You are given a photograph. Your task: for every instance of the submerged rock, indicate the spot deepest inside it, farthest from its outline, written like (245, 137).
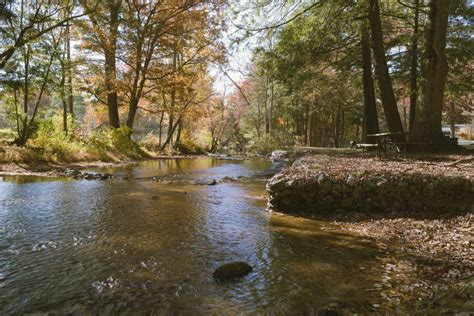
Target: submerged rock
(77, 174)
(332, 309)
(205, 182)
(72, 173)
(232, 270)
(279, 155)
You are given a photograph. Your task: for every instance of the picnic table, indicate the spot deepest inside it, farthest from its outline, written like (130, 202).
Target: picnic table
(387, 141)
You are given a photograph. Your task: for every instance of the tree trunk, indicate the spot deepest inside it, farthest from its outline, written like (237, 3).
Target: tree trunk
(389, 102)
(132, 112)
(70, 97)
(259, 118)
(267, 122)
(306, 125)
(178, 134)
(371, 123)
(169, 135)
(434, 72)
(160, 126)
(63, 95)
(27, 81)
(112, 97)
(169, 138)
(171, 116)
(337, 126)
(452, 122)
(110, 67)
(343, 134)
(414, 67)
(309, 132)
(312, 128)
(28, 124)
(17, 115)
(357, 132)
(270, 112)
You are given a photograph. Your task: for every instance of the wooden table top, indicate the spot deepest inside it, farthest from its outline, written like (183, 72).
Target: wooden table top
(387, 134)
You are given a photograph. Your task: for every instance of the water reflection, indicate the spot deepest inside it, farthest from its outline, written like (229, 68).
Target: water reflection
(202, 168)
(124, 246)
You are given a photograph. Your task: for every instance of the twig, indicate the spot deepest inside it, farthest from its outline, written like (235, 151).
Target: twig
(460, 161)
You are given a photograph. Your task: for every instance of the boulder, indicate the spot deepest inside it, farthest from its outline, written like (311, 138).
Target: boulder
(106, 176)
(279, 155)
(332, 309)
(232, 270)
(73, 173)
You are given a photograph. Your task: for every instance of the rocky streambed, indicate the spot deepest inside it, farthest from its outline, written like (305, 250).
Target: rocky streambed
(319, 184)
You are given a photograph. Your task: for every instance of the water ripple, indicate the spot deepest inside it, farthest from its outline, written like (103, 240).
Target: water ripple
(95, 247)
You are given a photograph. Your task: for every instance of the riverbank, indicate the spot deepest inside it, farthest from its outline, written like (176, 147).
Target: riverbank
(322, 183)
(51, 169)
(54, 170)
(73, 152)
(427, 264)
(419, 213)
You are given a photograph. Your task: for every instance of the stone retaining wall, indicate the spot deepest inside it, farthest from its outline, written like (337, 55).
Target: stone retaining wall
(325, 184)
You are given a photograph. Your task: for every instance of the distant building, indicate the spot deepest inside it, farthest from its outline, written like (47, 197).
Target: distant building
(461, 130)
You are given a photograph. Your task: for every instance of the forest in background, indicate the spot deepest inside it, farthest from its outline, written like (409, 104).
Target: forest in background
(94, 77)
(334, 71)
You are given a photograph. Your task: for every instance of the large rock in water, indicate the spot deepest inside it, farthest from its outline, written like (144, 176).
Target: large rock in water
(232, 270)
(279, 155)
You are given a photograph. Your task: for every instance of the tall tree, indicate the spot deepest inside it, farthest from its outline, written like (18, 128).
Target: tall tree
(102, 32)
(43, 12)
(414, 65)
(389, 102)
(371, 123)
(434, 73)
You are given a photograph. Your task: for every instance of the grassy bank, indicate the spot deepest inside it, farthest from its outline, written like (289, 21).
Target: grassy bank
(50, 145)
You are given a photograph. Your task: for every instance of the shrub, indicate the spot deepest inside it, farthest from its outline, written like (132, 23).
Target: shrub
(50, 140)
(116, 140)
(151, 142)
(271, 142)
(188, 145)
(7, 135)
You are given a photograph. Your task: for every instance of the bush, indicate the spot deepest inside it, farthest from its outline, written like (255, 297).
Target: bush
(49, 143)
(7, 135)
(117, 140)
(49, 139)
(188, 145)
(151, 142)
(269, 143)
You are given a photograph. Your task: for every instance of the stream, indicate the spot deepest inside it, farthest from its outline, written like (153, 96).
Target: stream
(131, 244)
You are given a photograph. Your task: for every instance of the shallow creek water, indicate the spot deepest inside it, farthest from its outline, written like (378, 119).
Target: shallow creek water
(136, 245)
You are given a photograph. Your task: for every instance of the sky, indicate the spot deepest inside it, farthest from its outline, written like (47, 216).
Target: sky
(240, 55)
(274, 12)
(239, 61)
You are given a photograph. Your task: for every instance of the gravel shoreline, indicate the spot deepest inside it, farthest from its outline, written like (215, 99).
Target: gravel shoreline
(53, 170)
